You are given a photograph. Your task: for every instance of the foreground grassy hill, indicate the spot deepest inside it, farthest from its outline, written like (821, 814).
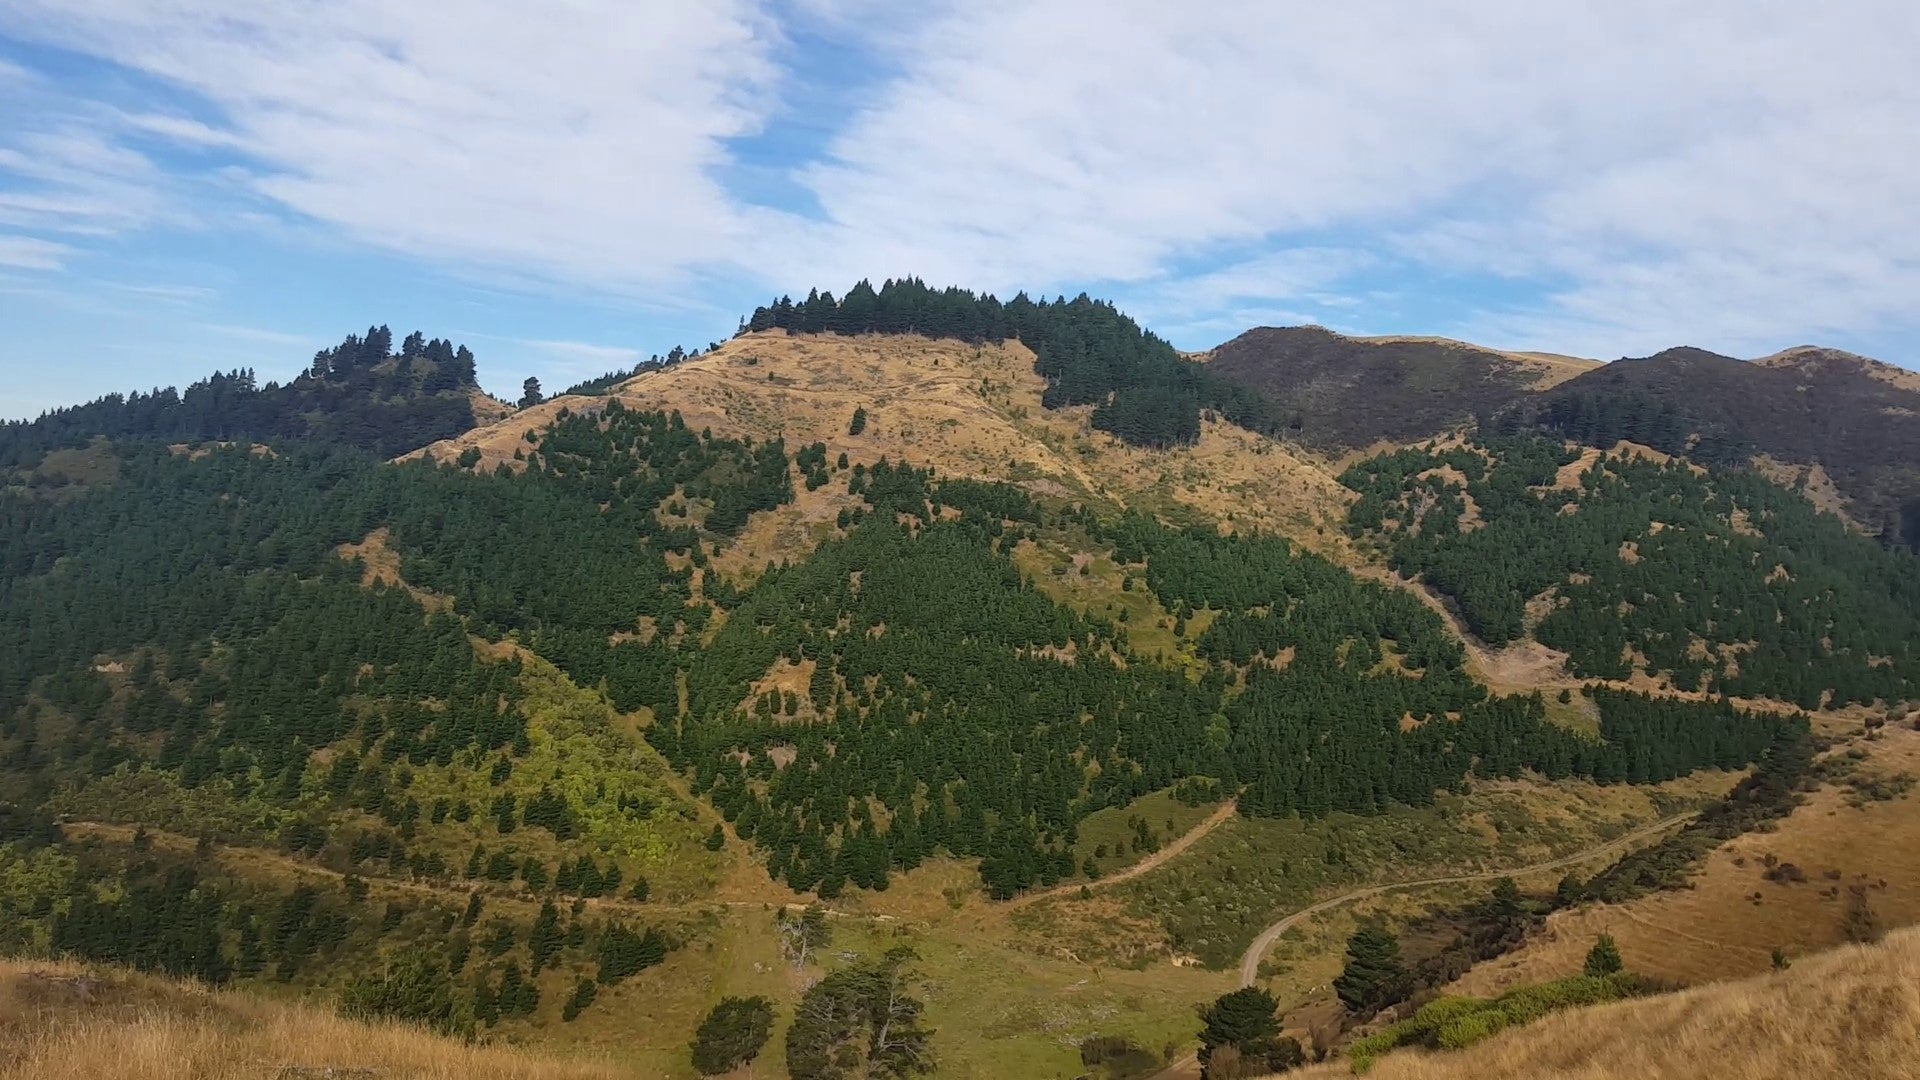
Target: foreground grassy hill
(1838, 867)
(62, 1021)
(1853, 1011)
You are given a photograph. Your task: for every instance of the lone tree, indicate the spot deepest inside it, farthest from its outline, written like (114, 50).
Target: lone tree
(1604, 958)
(802, 933)
(859, 423)
(1373, 977)
(1240, 1036)
(732, 1034)
(862, 1021)
(1505, 905)
(530, 393)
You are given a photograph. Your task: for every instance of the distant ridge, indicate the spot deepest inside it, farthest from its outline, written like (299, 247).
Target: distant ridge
(360, 393)
(1339, 393)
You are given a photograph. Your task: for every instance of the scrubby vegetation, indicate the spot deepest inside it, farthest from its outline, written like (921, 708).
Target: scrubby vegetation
(1455, 1023)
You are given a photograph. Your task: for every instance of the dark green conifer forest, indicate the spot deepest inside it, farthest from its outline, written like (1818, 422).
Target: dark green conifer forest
(1720, 580)
(427, 672)
(360, 393)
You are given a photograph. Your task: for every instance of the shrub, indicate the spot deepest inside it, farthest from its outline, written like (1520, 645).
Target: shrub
(733, 1034)
(584, 992)
(413, 988)
(1604, 957)
(1453, 1023)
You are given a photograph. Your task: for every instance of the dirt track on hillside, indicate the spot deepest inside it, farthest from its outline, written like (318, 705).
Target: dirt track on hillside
(1147, 865)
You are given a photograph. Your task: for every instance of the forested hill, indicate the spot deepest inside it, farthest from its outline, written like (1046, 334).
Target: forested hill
(519, 722)
(1859, 419)
(1339, 393)
(1710, 580)
(1143, 391)
(360, 393)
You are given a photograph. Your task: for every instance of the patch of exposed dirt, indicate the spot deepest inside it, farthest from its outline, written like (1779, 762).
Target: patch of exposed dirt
(381, 565)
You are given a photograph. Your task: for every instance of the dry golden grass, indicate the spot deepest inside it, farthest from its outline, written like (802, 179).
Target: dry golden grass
(65, 1022)
(1715, 929)
(1812, 482)
(1811, 358)
(381, 565)
(965, 410)
(1852, 1012)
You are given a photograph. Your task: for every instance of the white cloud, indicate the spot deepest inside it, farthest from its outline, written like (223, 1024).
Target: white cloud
(73, 180)
(178, 294)
(1721, 172)
(1720, 168)
(575, 140)
(181, 129)
(578, 356)
(258, 334)
(29, 253)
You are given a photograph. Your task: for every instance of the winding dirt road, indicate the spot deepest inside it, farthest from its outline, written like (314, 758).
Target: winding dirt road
(1147, 865)
(1250, 960)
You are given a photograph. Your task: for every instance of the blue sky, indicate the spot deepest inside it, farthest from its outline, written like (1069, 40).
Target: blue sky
(568, 188)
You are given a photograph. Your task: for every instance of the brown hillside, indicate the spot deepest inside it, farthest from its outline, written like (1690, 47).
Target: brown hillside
(1790, 888)
(1340, 393)
(1859, 419)
(963, 409)
(67, 1022)
(1852, 1012)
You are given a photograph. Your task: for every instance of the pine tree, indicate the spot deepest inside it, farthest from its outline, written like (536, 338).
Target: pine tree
(1604, 957)
(1373, 976)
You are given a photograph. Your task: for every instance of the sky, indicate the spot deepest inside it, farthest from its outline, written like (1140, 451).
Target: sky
(569, 187)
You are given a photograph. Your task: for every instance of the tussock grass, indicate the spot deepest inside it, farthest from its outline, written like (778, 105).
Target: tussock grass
(63, 1021)
(1851, 1012)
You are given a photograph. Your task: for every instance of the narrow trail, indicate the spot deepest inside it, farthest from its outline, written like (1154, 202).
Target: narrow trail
(1144, 866)
(269, 861)
(1250, 960)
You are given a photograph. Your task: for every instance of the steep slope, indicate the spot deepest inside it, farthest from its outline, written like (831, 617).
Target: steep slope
(1858, 419)
(1836, 866)
(1853, 1012)
(1339, 393)
(62, 1021)
(1700, 580)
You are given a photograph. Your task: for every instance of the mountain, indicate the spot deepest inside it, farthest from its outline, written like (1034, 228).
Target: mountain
(1857, 419)
(1339, 393)
(359, 394)
(552, 730)
(1842, 428)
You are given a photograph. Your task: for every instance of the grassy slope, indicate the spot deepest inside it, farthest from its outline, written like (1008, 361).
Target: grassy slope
(1854, 1012)
(65, 1022)
(1728, 924)
(964, 410)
